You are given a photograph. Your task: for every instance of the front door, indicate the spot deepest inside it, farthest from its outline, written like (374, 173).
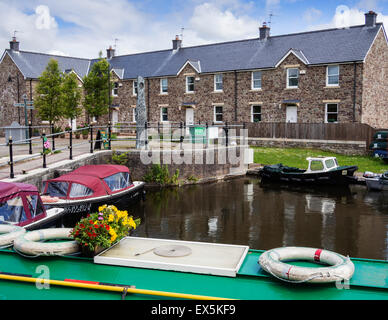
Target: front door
(189, 116)
(291, 114)
(115, 119)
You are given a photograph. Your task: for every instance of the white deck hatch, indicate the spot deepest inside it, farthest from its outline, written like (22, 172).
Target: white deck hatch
(175, 255)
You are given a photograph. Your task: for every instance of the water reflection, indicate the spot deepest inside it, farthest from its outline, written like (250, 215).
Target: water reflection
(242, 211)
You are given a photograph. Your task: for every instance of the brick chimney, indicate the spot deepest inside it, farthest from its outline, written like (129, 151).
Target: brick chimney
(14, 44)
(264, 31)
(370, 19)
(177, 43)
(110, 53)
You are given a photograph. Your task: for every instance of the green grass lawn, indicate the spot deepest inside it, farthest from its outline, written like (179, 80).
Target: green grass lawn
(295, 157)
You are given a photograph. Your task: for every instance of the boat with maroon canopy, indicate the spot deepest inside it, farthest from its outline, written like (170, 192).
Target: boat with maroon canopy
(21, 205)
(89, 186)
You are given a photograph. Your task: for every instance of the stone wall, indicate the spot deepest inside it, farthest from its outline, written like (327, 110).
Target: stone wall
(375, 75)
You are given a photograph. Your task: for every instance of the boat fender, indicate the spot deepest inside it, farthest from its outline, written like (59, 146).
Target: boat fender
(340, 267)
(30, 243)
(8, 233)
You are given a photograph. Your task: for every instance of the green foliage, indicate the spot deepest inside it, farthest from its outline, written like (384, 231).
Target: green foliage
(296, 157)
(71, 97)
(48, 100)
(192, 178)
(160, 175)
(96, 86)
(121, 158)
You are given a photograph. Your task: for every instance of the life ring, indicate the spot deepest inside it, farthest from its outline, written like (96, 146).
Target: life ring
(8, 233)
(340, 267)
(30, 245)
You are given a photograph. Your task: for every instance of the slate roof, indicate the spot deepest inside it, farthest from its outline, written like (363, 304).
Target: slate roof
(315, 47)
(32, 64)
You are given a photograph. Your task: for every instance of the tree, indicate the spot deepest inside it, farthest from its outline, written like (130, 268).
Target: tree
(48, 102)
(96, 87)
(71, 97)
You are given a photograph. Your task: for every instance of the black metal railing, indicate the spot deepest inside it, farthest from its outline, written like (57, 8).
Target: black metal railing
(171, 132)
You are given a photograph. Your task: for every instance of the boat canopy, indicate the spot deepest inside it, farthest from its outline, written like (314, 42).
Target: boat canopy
(20, 203)
(89, 181)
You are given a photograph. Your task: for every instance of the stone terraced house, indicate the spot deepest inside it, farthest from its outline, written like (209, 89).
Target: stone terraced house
(332, 75)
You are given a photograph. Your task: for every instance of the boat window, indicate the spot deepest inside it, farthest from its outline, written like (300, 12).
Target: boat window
(79, 190)
(330, 163)
(35, 205)
(118, 181)
(12, 211)
(57, 189)
(316, 165)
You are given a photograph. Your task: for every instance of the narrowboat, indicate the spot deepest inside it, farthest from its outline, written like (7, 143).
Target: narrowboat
(21, 205)
(89, 186)
(153, 269)
(320, 171)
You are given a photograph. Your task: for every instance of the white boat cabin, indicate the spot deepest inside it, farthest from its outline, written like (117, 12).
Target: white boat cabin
(321, 164)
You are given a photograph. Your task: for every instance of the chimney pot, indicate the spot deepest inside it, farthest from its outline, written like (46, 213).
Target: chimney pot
(177, 43)
(110, 53)
(264, 31)
(370, 18)
(14, 44)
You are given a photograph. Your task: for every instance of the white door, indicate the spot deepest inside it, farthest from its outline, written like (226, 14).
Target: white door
(115, 119)
(189, 116)
(291, 114)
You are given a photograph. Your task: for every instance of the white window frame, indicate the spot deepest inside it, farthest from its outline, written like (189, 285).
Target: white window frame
(253, 113)
(162, 113)
(187, 84)
(162, 87)
(134, 87)
(288, 78)
(217, 81)
(115, 89)
(215, 114)
(327, 75)
(327, 113)
(253, 80)
(134, 115)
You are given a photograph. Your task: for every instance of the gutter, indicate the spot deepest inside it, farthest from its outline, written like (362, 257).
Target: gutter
(354, 91)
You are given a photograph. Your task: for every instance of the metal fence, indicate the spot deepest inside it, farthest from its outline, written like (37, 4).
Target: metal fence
(98, 137)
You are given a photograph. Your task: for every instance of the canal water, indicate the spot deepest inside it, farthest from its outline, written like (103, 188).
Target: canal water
(347, 220)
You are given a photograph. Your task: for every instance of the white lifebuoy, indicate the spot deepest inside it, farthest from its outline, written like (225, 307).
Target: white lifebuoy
(340, 267)
(30, 244)
(8, 233)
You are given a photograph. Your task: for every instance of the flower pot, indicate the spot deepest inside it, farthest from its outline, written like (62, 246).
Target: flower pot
(85, 136)
(91, 253)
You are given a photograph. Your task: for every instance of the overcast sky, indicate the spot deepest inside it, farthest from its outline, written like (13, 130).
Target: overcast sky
(82, 28)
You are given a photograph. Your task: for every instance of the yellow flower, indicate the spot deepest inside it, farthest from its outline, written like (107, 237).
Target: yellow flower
(111, 217)
(101, 208)
(132, 223)
(113, 234)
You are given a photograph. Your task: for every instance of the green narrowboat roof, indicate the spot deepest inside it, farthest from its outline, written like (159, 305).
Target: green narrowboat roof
(370, 281)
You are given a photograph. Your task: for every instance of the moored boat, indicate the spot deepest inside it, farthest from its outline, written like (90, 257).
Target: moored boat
(320, 171)
(21, 205)
(144, 268)
(87, 187)
(377, 182)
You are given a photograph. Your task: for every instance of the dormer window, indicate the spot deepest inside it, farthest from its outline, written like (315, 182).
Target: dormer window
(115, 89)
(332, 75)
(189, 84)
(292, 78)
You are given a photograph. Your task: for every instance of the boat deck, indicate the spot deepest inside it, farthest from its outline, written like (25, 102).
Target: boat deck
(370, 281)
